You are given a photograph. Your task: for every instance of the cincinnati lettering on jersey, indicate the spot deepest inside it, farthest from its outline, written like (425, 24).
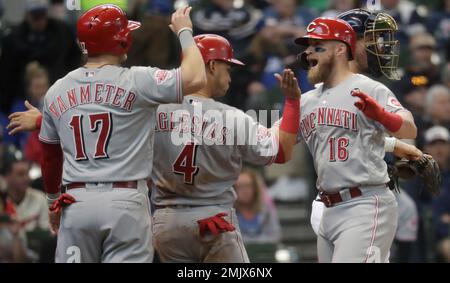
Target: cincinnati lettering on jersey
(196, 125)
(325, 116)
(98, 93)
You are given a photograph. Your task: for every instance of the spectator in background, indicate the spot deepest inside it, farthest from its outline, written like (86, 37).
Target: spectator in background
(339, 6)
(437, 144)
(257, 217)
(37, 38)
(272, 49)
(409, 17)
(437, 109)
(408, 225)
(12, 238)
(238, 25)
(154, 44)
(439, 147)
(420, 74)
(30, 204)
(438, 24)
(36, 85)
(446, 75)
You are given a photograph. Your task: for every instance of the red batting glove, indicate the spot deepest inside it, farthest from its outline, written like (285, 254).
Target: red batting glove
(62, 201)
(215, 224)
(372, 109)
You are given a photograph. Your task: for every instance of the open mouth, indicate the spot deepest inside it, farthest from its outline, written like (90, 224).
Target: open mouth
(312, 62)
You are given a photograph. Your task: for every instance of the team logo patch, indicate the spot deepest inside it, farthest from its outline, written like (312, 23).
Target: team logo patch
(311, 27)
(394, 103)
(162, 75)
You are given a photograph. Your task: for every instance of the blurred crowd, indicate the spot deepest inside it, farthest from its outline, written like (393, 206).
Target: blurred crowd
(38, 46)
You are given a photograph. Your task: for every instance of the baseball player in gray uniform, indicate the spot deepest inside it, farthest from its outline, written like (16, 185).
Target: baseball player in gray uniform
(366, 61)
(102, 116)
(343, 122)
(192, 181)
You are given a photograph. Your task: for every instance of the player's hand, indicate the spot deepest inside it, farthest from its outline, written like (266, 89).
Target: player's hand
(288, 84)
(23, 121)
(181, 19)
(369, 106)
(404, 150)
(54, 217)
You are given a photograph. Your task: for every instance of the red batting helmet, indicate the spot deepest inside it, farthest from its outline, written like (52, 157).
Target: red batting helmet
(215, 47)
(105, 29)
(330, 29)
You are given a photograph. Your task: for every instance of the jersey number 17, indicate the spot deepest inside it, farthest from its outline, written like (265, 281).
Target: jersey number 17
(98, 122)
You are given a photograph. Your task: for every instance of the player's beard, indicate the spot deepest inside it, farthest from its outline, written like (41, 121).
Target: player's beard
(322, 71)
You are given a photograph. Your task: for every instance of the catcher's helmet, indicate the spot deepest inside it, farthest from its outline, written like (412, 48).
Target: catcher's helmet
(105, 29)
(215, 47)
(357, 18)
(376, 28)
(330, 29)
(381, 46)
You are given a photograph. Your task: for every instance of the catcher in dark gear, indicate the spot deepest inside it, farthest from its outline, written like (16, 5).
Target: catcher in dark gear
(376, 51)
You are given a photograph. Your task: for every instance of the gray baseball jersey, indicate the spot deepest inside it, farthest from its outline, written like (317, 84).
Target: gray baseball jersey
(193, 180)
(104, 120)
(347, 146)
(203, 174)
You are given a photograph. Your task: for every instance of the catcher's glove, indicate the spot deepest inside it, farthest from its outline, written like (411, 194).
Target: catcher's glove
(426, 167)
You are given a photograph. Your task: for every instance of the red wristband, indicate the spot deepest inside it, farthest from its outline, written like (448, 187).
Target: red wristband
(391, 121)
(39, 122)
(291, 116)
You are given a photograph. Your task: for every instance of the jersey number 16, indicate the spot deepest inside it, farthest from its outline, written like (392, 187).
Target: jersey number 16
(341, 154)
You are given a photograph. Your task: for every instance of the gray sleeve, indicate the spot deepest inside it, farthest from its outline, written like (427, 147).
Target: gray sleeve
(158, 86)
(387, 99)
(261, 144)
(48, 133)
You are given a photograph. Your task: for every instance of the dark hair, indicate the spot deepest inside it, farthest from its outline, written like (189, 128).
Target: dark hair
(11, 155)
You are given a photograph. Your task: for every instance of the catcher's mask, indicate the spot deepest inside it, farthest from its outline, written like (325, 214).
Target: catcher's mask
(381, 46)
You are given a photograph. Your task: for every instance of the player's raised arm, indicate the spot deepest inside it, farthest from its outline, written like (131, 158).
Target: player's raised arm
(193, 73)
(400, 124)
(287, 134)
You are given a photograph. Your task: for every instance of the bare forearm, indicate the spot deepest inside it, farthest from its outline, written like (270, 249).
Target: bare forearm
(408, 130)
(287, 142)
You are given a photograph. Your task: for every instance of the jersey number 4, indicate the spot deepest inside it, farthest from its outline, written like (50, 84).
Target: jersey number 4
(99, 122)
(342, 152)
(185, 163)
